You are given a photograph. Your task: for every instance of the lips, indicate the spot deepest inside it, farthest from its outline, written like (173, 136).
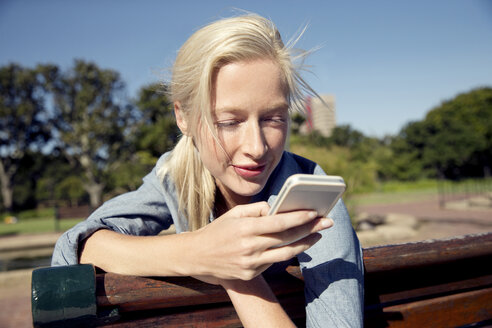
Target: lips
(248, 171)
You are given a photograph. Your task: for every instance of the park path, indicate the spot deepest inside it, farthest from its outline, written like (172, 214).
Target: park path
(435, 222)
(15, 286)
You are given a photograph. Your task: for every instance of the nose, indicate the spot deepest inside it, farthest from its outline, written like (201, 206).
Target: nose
(254, 143)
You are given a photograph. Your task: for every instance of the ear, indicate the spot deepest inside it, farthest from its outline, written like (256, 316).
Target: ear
(180, 118)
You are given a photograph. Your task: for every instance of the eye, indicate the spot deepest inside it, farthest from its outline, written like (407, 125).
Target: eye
(227, 124)
(275, 119)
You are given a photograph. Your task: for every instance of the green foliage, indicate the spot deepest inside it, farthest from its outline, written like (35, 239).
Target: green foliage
(70, 189)
(461, 129)
(94, 121)
(157, 132)
(24, 125)
(405, 162)
(297, 119)
(335, 160)
(128, 175)
(454, 140)
(49, 183)
(346, 136)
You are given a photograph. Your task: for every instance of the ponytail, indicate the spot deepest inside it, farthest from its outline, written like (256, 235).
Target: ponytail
(195, 184)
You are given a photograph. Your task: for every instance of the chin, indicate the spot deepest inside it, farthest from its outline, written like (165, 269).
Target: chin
(250, 189)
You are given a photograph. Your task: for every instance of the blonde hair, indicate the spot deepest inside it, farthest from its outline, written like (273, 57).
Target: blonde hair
(228, 40)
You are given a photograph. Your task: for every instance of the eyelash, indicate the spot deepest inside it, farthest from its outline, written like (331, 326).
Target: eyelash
(276, 119)
(234, 123)
(227, 124)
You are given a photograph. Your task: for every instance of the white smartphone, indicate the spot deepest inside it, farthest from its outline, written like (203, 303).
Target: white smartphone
(309, 192)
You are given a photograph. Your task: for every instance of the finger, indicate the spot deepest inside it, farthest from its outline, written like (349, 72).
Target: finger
(296, 233)
(289, 251)
(283, 222)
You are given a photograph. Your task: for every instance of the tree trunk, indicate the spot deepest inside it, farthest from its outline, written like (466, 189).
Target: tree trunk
(93, 186)
(7, 197)
(7, 188)
(486, 171)
(95, 194)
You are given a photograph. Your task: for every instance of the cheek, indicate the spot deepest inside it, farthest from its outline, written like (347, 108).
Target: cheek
(276, 138)
(211, 153)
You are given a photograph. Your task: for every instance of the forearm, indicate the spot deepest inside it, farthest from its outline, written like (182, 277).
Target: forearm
(168, 255)
(237, 245)
(255, 303)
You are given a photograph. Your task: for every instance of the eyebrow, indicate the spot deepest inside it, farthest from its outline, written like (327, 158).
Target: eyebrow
(275, 106)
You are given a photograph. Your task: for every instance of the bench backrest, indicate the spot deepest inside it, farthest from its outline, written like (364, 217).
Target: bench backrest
(433, 283)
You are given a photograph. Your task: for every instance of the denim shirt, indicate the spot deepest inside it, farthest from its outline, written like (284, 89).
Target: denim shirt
(332, 268)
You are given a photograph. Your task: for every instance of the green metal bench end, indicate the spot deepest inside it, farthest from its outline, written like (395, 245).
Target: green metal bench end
(64, 296)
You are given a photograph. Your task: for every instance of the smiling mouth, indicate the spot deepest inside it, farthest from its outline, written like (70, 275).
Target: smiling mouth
(249, 171)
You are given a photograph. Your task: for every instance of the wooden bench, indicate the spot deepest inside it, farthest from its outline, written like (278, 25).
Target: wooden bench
(71, 212)
(439, 283)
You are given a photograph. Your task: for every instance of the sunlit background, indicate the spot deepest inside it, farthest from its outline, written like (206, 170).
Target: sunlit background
(409, 82)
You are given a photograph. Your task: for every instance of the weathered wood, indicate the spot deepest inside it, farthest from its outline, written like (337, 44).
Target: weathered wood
(402, 282)
(428, 268)
(132, 293)
(171, 302)
(216, 315)
(432, 252)
(447, 311)
(436, 283)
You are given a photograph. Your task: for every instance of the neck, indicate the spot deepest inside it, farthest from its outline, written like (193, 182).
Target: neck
(225, 201)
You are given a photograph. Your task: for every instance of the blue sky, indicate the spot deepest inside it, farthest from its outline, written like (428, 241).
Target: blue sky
(386, 62)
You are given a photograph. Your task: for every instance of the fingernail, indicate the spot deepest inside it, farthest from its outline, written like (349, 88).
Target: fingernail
(326, 223)
(312, 214)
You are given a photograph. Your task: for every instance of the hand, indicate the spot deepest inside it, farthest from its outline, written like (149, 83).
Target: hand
(241, 243)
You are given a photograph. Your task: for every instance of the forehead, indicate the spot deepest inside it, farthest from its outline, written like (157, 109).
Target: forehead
(251, 84)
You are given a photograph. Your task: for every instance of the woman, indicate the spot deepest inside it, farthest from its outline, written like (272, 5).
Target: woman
(232, 87)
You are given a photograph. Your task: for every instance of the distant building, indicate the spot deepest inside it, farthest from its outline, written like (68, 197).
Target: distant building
(320, 115)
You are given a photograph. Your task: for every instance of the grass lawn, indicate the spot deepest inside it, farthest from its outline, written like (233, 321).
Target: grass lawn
(396, 192)
(38, 225)
(391, 197)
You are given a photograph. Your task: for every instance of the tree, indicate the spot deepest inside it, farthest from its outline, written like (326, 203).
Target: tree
(407, 150)
(297, 119)
(24, 123)
(51, 183)
(346, 136)
(94, 121)
(454, 139)
(157, 131)
(461, 135)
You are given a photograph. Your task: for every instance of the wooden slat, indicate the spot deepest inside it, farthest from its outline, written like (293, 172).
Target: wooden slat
(447, 311)
(403, 282)
(219, 315)
(131, 293)
(443, 269)
(411, 255)
(428, 291)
